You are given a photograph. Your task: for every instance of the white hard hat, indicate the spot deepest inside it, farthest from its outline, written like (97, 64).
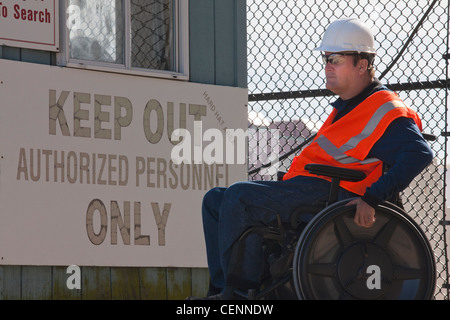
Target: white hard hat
(348, 34)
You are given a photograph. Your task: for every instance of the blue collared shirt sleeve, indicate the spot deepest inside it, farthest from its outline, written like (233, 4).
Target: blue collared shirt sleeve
(406, 152)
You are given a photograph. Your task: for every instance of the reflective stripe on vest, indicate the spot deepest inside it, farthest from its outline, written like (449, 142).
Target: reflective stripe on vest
(339, 155)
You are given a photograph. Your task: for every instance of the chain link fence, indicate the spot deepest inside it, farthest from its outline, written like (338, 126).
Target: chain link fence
(288, 103)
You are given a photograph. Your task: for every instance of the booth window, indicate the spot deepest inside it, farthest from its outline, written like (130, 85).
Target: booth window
(128, 35)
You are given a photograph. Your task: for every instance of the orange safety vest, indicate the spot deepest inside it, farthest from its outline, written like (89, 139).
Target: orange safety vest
(347, 142)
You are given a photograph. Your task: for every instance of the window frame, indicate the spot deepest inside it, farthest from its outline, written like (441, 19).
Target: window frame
(181, 44)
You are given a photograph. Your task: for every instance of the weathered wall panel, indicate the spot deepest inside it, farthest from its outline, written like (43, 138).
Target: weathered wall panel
(102, 283)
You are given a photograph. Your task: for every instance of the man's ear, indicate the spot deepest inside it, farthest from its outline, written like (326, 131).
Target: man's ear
(363, 65)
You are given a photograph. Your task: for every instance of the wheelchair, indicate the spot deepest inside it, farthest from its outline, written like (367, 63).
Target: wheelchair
(331, 258)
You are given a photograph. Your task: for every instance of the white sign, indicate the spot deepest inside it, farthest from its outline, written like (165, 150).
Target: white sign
(91, 174)
(32, 24)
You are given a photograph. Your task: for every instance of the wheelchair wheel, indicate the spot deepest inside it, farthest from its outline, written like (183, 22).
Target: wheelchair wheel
(336, 259)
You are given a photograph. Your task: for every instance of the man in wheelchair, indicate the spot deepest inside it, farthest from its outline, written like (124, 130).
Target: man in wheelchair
(370, 127)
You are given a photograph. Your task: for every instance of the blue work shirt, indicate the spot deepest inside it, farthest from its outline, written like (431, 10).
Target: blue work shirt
(402, 148)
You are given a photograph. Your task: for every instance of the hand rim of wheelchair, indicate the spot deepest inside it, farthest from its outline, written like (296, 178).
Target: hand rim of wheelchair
(333, 254)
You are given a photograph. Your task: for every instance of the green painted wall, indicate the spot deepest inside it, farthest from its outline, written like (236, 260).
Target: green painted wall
(218, 42)
(102, 283)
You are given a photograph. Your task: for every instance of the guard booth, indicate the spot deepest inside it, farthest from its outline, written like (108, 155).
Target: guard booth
(115, 118)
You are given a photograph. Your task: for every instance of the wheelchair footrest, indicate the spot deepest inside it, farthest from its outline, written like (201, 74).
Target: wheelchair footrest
(279, 266)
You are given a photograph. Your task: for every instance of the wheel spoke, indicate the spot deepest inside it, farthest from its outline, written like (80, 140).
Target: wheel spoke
(323, 269)
(343, 234)
(385, 234)
(403, 273)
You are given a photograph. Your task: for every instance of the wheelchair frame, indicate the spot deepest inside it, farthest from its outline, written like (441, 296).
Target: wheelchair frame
(290, 266)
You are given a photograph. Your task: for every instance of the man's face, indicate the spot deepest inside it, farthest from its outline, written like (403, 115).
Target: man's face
(342, 75)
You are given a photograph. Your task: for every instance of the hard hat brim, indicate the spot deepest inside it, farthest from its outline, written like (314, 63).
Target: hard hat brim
(348, 34)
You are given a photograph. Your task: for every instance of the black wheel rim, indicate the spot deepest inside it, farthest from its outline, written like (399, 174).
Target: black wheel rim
(335, 259)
